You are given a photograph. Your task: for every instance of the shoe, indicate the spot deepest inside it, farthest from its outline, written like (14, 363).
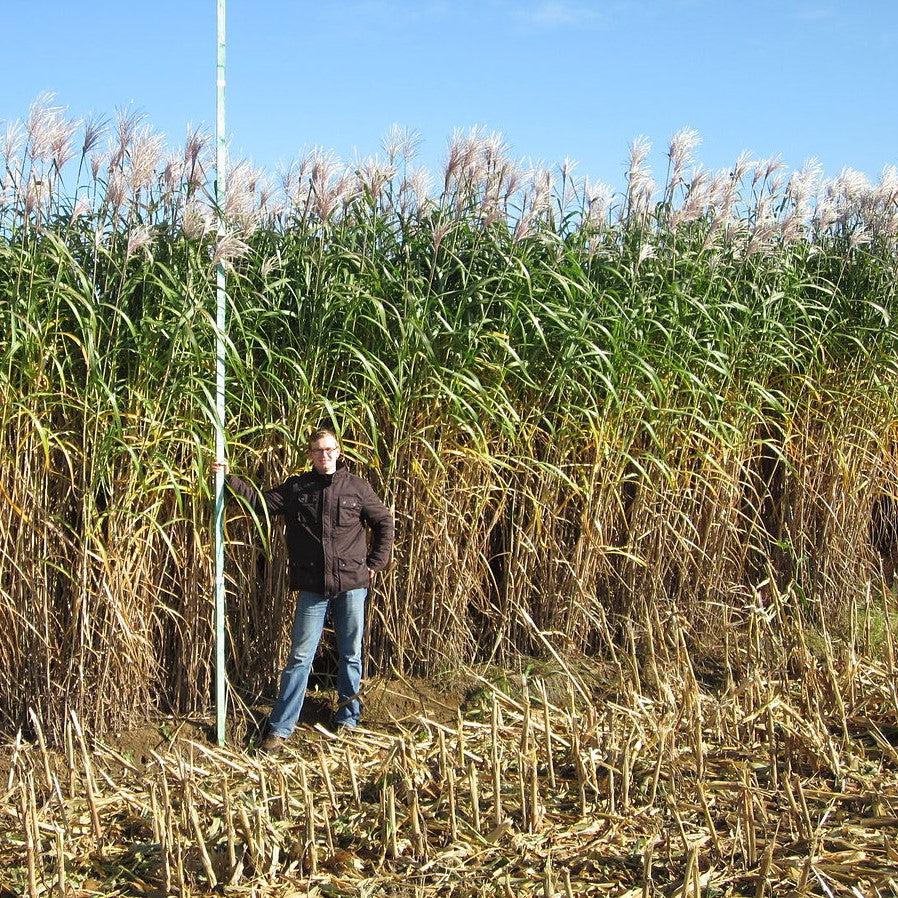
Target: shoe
(272, 744)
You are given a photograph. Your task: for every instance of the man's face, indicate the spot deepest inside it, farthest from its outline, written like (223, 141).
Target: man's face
(324, 454)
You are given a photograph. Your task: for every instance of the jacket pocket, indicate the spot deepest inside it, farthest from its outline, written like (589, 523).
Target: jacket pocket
(349, 511)
(354, 570)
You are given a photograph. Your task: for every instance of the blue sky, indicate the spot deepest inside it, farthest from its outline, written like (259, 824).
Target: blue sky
(559, 78)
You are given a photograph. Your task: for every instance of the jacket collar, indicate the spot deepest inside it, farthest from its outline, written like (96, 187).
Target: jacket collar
(341, 472)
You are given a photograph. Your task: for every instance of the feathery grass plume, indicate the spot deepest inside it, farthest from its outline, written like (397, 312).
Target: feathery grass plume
(268, 266)
(640, 185)
(97, 161)
(729, 193)
(884, 204)
(36, 197)
(640, 147)
(338, 194)
(467, 159)
(126, 124)
(197, 176)
(850, 186)
(439, 232)
(599, 197)
(859, 236)
(765, 169)
(887, 224)
(494, 148)
(825, 214)
(800, 192)
(764, 226)
(567, 168)
(372, 176)
(172, 174)
(242, 206)
(328, 184)
(453, 159)
(767, 182)
(724, 191)
(82, 208)
(842, 203)
(775, 187)
(525, 225)
(724, 197)
(294, 181)
(194, 169)
(140, 239)
(299, 170)
(510, 179)
(699, 196)
(743, 163)
(196, 219)
(680, 156)
(567, 190)
(491, 211)
(197, 141)
(269, 206)
(228, 249)
(646, 251)
(500, 177)
(401, 143)
(47, 128)
(886, 190)
(641, 198)
(13, 141)
(325, 167)
(543, 182)
(416, 188)
(62, 149)
(143, 154)
(94, 129)
(286, 177)
(536, 202)
(116, 190)
(9, 192)
(478, 148)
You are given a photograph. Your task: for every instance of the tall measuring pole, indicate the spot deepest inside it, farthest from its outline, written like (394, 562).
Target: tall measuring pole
(221, 161)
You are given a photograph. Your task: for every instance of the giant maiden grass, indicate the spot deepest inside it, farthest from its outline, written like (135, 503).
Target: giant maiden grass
(591, 410)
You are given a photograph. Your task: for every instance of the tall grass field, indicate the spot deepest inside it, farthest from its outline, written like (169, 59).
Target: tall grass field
(641, 443)
(593, 409)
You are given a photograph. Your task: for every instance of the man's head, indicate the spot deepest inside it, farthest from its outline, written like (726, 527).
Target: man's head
(324, 450)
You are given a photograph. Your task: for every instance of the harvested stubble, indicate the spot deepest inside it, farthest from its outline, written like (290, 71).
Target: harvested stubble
(769, 784)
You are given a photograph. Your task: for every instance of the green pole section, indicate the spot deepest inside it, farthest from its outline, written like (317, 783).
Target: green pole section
(221, 300)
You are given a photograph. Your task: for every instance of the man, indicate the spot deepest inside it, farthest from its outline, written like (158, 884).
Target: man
(326, 511)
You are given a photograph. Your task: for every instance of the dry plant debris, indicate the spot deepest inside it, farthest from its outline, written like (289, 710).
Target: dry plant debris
(753, 789)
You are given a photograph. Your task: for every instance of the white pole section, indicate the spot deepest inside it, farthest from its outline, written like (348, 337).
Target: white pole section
(220, 456)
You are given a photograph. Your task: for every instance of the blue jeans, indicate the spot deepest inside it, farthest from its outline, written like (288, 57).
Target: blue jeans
(348, 610)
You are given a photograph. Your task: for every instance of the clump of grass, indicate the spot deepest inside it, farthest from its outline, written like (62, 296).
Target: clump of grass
(587, 408)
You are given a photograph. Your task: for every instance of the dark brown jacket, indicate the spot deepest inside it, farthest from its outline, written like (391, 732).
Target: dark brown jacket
(325, 517)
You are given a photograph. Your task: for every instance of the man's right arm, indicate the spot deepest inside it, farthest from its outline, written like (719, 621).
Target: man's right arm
(273, 501)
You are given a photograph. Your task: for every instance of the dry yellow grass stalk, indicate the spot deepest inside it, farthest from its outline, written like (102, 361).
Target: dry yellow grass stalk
(386, 811)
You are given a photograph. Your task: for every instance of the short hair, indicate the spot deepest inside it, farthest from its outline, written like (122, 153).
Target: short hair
(320, 434)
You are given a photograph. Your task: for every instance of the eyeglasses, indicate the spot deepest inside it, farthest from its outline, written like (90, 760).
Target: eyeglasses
(333, 450)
